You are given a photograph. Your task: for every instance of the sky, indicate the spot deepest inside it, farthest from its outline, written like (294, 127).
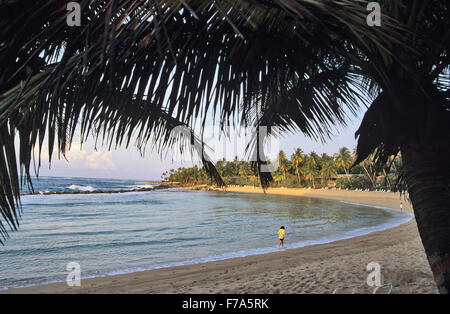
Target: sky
(123, 163)
(89, 161)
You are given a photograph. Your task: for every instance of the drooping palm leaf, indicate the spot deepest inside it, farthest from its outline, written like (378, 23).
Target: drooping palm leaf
(413, 104)
(181, 58)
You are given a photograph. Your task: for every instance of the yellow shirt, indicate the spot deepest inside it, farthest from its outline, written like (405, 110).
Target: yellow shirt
(281, 234)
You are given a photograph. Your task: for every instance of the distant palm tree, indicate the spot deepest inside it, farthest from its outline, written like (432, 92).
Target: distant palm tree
(283, 163)
(329, 170)
(310, 169)
(236, 166)
(245, 170)
(278, 178)
(310, 175)
(296, 160)
(370, 168)
(344, 160)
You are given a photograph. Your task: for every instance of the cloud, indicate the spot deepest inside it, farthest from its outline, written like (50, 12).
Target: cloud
(76, 154)
(77, 158)
(100, 161)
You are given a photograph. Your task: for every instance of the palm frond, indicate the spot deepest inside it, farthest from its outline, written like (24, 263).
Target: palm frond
(131, 61)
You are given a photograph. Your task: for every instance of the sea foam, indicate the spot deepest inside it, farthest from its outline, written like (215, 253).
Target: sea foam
(81, 188)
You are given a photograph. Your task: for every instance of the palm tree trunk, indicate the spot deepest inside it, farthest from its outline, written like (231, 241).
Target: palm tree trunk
(426, 172)
(369, 175)
(347, 174)
(387, 179)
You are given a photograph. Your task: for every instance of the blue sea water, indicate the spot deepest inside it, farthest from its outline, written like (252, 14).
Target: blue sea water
(127, 232)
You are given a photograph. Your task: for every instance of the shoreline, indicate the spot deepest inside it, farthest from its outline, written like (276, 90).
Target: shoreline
(303, 271)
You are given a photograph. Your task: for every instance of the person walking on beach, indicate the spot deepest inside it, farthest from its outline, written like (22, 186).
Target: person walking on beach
(401, 207)
(281, 235)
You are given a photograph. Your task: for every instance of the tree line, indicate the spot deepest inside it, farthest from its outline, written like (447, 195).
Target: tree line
(301, 170)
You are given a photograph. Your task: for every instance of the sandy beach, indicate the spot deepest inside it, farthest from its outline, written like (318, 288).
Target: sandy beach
(314, 269)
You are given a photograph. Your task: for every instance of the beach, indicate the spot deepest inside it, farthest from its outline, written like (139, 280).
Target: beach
(312, 269)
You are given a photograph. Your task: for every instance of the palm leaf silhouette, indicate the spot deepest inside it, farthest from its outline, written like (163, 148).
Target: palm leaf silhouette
(133, 66)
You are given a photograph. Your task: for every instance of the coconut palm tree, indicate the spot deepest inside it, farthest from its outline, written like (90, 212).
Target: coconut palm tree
(411, 115)
(370, 169)
(244, 170)
(278, 178)
(143, 68)
(309, 168)
(236, 166)
(344, 160)
(283, 163)
(296, 161)
(310, 175)
(329, 170)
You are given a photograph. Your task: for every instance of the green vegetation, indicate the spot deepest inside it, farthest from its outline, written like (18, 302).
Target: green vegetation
(301, 171)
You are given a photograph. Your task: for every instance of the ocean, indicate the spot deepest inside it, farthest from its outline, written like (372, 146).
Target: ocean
(118, 233)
